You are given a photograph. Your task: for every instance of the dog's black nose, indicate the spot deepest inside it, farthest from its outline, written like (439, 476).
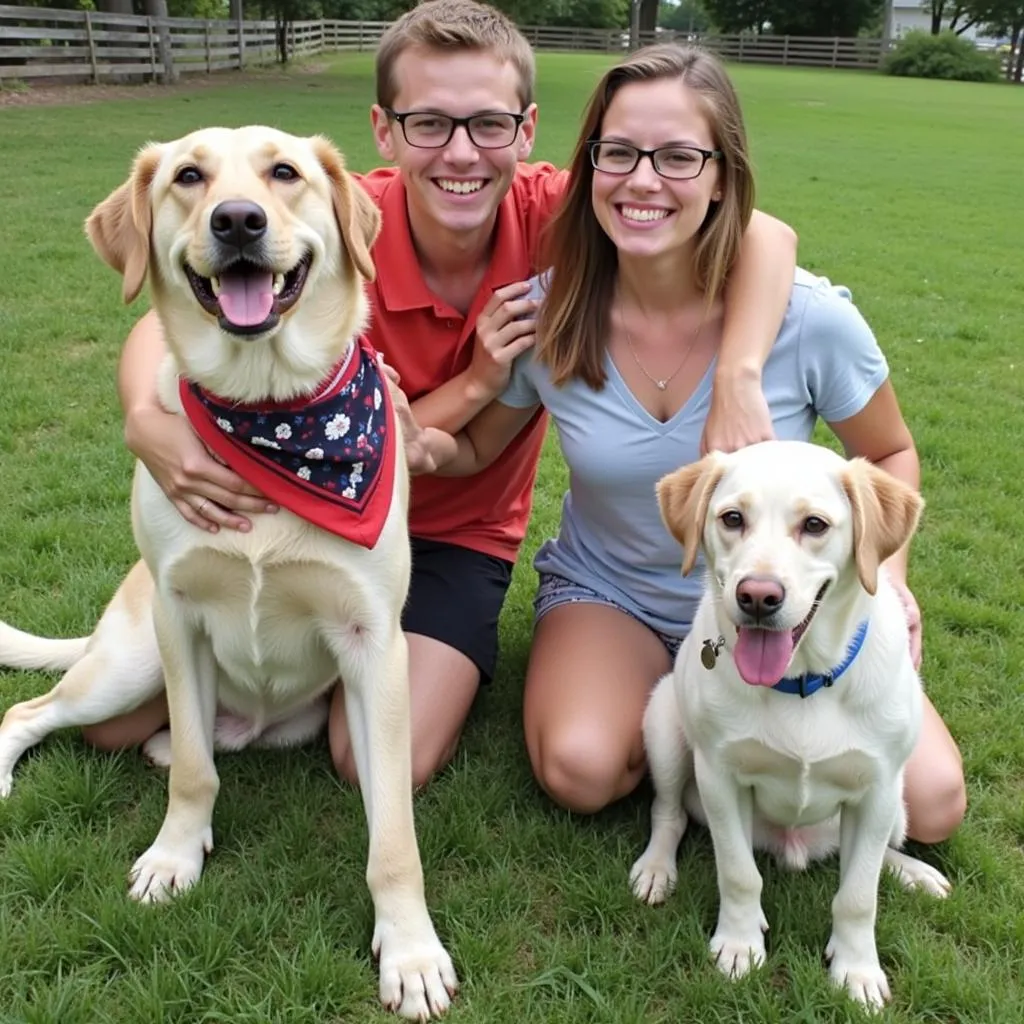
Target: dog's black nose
(238, 222)
(760, 596)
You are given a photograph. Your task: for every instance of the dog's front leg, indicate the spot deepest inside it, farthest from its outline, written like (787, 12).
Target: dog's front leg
(738, 942)
(417, 978)
(864, 830)
(175, 860)
(653, 876)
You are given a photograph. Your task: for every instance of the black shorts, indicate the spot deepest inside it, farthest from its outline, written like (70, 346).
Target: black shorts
(456, 596)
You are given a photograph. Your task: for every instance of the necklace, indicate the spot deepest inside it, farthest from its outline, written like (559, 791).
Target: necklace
(663, 383)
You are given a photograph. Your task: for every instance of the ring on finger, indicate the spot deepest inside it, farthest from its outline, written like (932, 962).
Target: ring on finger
(202, 506)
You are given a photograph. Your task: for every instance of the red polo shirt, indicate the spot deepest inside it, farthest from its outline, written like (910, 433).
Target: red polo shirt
(429, 342)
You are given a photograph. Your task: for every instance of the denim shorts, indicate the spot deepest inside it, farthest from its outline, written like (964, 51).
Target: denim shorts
(554, 591)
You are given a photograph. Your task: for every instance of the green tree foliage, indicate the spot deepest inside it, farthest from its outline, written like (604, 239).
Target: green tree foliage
(687, 16)
(794, 17)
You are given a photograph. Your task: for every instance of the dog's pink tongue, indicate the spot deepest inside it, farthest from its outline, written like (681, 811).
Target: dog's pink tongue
(246, 299)
(762, 655)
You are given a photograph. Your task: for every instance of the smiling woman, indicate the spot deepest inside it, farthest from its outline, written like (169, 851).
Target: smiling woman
(642, 249)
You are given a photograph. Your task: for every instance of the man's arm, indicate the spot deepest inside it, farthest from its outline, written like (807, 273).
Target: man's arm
(483, 439)
(203, 491)
(756, 299)
(504, 329)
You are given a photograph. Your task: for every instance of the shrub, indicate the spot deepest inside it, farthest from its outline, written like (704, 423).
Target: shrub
(947, 55)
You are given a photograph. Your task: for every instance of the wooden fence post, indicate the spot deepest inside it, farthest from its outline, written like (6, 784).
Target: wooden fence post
(92, 48)
(151, 33)
(835, 50)
(740, 57)
(240, 24)
(206, 37)
(785, 50)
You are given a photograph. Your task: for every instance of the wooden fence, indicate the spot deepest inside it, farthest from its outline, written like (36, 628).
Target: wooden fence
(82, 46)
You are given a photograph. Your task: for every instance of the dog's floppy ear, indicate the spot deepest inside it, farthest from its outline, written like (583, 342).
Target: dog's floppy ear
(885, 514)
(120, 227)
(357, 216)
(683, 497)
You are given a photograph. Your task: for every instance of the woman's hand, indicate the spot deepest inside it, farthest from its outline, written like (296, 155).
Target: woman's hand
(205, 492)
(739, 415)
(913, 614)
(426, 448)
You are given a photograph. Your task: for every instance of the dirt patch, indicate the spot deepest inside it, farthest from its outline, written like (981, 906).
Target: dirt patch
(51, 94)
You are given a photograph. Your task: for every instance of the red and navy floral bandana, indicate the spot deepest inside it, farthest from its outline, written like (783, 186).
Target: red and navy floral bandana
(329, 458)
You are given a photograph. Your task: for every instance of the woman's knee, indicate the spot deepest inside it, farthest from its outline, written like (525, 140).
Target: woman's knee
(938, 803)
(582, 771)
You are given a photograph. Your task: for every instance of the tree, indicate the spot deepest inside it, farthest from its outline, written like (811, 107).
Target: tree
(794, 17)
(683, 16)
(739, 15)
(1005, 18)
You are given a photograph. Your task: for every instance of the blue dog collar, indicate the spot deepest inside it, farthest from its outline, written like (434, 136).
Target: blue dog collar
(805, 685)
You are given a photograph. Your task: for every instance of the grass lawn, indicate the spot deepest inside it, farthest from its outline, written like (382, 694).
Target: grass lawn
(907, 191)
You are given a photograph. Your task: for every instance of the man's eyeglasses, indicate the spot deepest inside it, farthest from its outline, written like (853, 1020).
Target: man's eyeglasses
(426, 129)
(675, 162)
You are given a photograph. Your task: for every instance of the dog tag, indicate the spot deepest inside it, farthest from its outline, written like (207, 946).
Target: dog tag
(709, 652)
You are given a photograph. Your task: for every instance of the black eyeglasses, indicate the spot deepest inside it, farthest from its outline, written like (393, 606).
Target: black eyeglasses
(675, 162)
(427, 129)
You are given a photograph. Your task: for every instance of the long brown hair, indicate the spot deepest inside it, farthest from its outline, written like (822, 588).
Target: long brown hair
(575, 319)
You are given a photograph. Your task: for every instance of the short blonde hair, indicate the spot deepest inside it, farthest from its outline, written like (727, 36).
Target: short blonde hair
(575, 319)
(449, 26)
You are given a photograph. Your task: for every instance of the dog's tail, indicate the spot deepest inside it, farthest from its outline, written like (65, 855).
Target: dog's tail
(22, 650)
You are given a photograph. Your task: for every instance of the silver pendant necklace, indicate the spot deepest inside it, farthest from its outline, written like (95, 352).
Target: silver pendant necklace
(662, 383)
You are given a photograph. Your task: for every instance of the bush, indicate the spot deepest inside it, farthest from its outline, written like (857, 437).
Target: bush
(947, 55)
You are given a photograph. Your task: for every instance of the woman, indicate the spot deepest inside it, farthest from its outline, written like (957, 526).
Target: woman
(627, 340)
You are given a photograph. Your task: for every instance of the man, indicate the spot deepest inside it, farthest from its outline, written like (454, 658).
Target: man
(462, 216)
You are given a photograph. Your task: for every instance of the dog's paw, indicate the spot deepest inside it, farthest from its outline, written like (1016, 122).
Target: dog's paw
(157, 749)
(863, 980)
(6, 782)
(165, 871)
(653, 877)
(417, 977)
(916, 874)
(735, 955)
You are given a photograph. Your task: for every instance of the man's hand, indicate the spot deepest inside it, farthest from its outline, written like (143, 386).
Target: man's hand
(206, 493)
(504, 329)
(739, 416)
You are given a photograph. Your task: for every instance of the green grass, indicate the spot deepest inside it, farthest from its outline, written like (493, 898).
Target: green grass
(909, 192)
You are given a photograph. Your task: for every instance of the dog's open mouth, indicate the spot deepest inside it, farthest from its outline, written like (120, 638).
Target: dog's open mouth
(763, 655)
(248, 298)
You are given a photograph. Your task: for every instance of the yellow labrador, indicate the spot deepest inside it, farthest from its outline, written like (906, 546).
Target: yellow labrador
(256, 245)
(793, 705)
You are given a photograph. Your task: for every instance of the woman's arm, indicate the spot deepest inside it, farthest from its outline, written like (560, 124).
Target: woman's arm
(203, 491)
(483, 439)
(879, 434)
(756, 298)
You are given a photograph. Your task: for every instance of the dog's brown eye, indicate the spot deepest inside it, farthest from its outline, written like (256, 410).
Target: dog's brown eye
(731, 519)
(815, 526)
(284, 172)
(188, 175)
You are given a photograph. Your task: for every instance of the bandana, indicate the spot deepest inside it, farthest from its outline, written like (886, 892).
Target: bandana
(329, 457)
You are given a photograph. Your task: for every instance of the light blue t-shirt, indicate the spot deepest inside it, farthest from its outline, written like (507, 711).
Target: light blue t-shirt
(825, 362)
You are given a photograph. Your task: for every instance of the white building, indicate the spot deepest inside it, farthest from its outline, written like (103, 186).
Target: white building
(907, 15)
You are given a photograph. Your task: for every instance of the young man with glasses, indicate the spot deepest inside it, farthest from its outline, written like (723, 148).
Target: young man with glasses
(462, 218)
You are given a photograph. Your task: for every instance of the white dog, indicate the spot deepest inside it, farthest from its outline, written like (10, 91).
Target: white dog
(256, 245)
(793, 705)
